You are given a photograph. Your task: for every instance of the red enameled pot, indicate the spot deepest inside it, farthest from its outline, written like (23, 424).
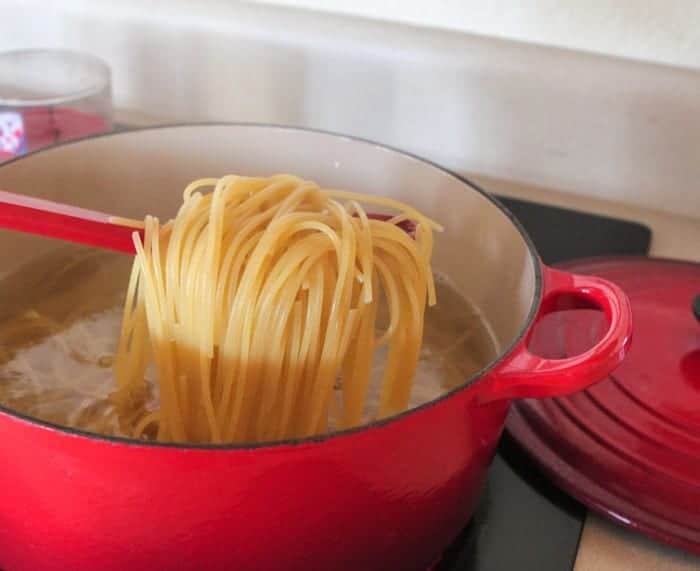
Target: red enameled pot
(390, 495)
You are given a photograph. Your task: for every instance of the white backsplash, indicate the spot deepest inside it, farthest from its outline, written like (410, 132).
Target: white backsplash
(647, 30)
(603, 127)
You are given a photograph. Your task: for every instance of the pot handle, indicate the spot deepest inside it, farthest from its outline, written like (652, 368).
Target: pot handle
(527, 375)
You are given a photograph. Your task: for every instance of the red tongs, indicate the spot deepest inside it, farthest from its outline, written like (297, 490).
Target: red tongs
(73, 224)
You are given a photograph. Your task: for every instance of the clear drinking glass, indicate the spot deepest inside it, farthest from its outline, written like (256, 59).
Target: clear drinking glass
(47, 96)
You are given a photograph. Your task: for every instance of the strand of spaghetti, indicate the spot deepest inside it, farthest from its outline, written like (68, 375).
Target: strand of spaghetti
(150, 418)
(171, 425)
(357, 369)
(386, 202)
(336, 322)
(365, 248)
(128, 222)
(292, 373)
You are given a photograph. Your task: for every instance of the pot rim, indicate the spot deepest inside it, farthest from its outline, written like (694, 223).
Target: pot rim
(321, 438)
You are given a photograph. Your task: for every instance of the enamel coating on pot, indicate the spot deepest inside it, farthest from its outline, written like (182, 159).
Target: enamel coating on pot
(387, 498)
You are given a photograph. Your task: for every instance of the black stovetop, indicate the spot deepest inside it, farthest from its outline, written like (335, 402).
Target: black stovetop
(523, 522)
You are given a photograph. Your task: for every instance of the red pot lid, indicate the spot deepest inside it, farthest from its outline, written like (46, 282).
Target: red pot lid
(628, 447)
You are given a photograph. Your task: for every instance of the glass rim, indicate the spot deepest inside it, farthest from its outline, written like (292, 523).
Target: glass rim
(100, 76)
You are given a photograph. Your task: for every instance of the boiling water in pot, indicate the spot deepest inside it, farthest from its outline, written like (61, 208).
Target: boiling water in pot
(59, 328)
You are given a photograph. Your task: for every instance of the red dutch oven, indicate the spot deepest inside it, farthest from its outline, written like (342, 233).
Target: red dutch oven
(389, 495)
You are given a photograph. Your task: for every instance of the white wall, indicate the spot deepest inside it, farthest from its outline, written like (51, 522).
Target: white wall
(597, 126)
(661, 31)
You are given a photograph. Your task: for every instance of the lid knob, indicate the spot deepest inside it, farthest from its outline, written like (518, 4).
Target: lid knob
(696, 307)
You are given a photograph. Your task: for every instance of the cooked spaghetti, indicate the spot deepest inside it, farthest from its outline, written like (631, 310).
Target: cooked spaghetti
(258, 299)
